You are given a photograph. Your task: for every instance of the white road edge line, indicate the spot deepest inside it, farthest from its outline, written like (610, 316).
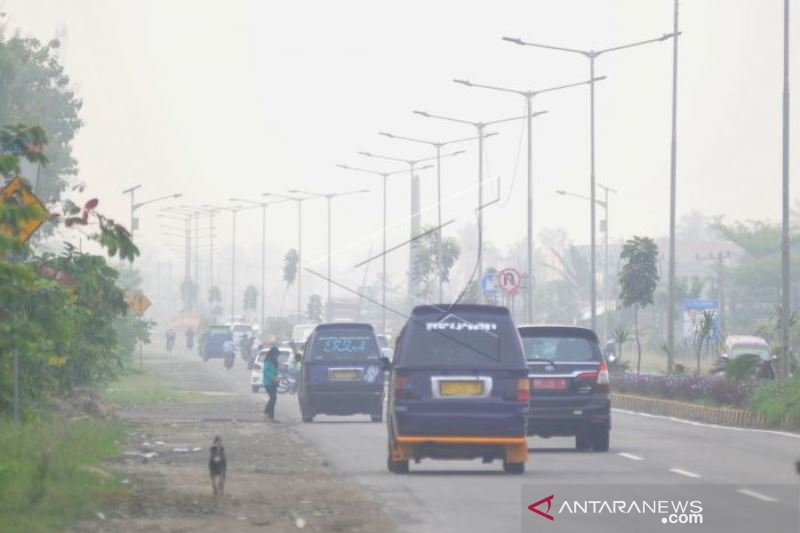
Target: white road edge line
(630, 456)
(685, 473)
(756, 495)
(704, 425)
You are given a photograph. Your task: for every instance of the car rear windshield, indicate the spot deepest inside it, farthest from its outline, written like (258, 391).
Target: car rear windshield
(219, 330)
(744, 349)
(344, 345)
(560, 349)
(460, 342)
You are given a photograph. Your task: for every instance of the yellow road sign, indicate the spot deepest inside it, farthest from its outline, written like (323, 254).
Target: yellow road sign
(139, 303)
(16, 194)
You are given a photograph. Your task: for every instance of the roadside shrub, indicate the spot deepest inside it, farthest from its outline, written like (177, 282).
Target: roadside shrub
(707, 388)
(776, 399)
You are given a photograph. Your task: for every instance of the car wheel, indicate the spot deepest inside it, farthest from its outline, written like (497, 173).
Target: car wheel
(307, 417)
(513, 468)
(583, 440)
(377, 418)
(601, 435)
(395, 467)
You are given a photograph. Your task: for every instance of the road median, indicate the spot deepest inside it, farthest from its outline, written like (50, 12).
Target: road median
(723, 416)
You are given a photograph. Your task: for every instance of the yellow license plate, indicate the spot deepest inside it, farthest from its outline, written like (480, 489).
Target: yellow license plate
(344, 375)
(461, 388)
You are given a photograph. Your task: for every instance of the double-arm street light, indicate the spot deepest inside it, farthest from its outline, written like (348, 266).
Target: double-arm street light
(437, 145)
(481, 129)
(606, 280)
(263, 206)
(234, 209)
(415, 204)
(135, 206)
(329, 197)
(385, 176)
(528, 95)
(299, 201)
(592, 56)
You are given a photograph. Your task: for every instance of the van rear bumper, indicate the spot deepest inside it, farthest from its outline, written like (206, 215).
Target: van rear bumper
(512, 449)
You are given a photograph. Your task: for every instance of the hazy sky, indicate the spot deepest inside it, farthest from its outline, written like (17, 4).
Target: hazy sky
(219, 99)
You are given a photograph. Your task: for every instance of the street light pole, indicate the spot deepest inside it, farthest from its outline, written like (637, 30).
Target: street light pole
(415, 208)
(480, 127)
(299, 202)
(591, 55)
(329, 197)
(528, 95)
(385, 178)
(673, 180)
(437, 145)
(606, 279)
(786, 300)
(263, 206)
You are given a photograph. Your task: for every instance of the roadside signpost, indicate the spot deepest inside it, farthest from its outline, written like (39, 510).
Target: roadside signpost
(139, 303)
(17, 194)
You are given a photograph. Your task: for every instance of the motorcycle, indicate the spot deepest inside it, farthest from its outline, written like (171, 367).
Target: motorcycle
(287, 383)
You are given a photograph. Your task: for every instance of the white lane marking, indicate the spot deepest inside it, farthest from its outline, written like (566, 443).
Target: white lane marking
(756, 495)
(713, 426)
(630, 456)
(683, 472)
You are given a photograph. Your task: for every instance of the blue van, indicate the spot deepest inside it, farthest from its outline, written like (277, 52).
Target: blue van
(342, 372)
(459, 388)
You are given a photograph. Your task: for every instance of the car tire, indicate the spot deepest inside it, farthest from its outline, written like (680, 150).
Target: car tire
(583, 440)
(376, 418)
(601, 436)
(395, 467)
(307, 417)
(513, 468)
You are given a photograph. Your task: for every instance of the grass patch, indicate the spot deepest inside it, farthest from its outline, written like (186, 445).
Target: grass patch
(49, 478)
(145, 388)
(776, 399)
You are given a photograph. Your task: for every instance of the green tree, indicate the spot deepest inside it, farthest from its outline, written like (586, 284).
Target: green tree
(705, 327)
(250, 298)
(290, 267)
(34, 89)
(638, 280)
(426, 263)
(314, 308)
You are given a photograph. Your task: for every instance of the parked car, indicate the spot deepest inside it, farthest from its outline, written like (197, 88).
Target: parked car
(459, 388)
(569, 385)
(257, 374)
(757, 348)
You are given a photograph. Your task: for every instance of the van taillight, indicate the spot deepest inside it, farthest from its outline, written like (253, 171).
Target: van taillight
(400, 385)
(602, 376)
(523, 390)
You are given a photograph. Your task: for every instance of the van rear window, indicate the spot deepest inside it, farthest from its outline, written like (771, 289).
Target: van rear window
(344, 345)
(461, 341)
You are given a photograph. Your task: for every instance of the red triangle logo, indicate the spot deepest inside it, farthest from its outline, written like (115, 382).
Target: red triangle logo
(545, 514)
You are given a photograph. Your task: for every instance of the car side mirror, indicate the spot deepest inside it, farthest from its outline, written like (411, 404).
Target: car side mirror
(386, 365)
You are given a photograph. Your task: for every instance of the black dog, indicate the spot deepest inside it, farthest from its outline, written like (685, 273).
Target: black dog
(217, 466)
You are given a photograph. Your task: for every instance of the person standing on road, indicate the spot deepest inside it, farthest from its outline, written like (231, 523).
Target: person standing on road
(189, 337)
(270, 380)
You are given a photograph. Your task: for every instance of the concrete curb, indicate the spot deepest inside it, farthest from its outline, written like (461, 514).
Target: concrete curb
(723, 416)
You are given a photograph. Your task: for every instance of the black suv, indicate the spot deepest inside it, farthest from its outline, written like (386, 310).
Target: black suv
(569, 385)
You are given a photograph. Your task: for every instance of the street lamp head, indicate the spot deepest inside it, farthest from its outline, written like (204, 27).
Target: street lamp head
(422, 114)
(561, 192)
(463, 82)
(515, 40)
(344, 167)
(365, 153)
(386, 134)
(177, 195)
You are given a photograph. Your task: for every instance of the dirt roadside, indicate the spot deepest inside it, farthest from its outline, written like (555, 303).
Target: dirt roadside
(276, 481)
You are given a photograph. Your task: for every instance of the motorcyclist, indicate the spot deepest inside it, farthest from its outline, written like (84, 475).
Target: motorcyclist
(229, 349)
(245, 347)
(190, 337)
(170, 339)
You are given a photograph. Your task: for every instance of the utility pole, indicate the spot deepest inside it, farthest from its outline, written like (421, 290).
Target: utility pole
(786, 300)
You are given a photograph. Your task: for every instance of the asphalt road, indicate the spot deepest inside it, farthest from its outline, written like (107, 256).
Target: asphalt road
(467, 496)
